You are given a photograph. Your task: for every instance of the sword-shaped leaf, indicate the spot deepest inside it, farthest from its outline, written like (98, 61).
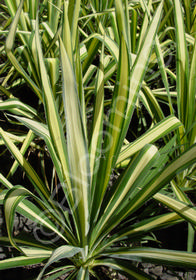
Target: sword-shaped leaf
(114, 125)
(182, 64)
(125, 267)
(157, 132)
(17, 107)
(63, 252)
(139, 67)
(77, 145)
(32, 212)
(22, 261)
(143, 227)
(160, 179)
(123, 22)
(132, 177)
(13, 197)
(152, 255)
(53, 118)
(191, 109)
(66, 33)
(188, 212)
(54, 9)
(97, 126)
(73, 15)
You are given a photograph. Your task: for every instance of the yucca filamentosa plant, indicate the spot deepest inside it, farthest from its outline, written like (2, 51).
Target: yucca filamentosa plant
(83, 229)
(179, 79)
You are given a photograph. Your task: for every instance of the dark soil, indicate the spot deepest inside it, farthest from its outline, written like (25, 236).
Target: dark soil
(157, 272)
(21, 273)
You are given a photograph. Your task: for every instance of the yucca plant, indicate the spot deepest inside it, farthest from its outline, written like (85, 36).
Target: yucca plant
(179, 91)
(84, 230)
(185, 97)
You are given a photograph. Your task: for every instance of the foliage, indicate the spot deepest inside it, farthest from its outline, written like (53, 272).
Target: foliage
(56, 52)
